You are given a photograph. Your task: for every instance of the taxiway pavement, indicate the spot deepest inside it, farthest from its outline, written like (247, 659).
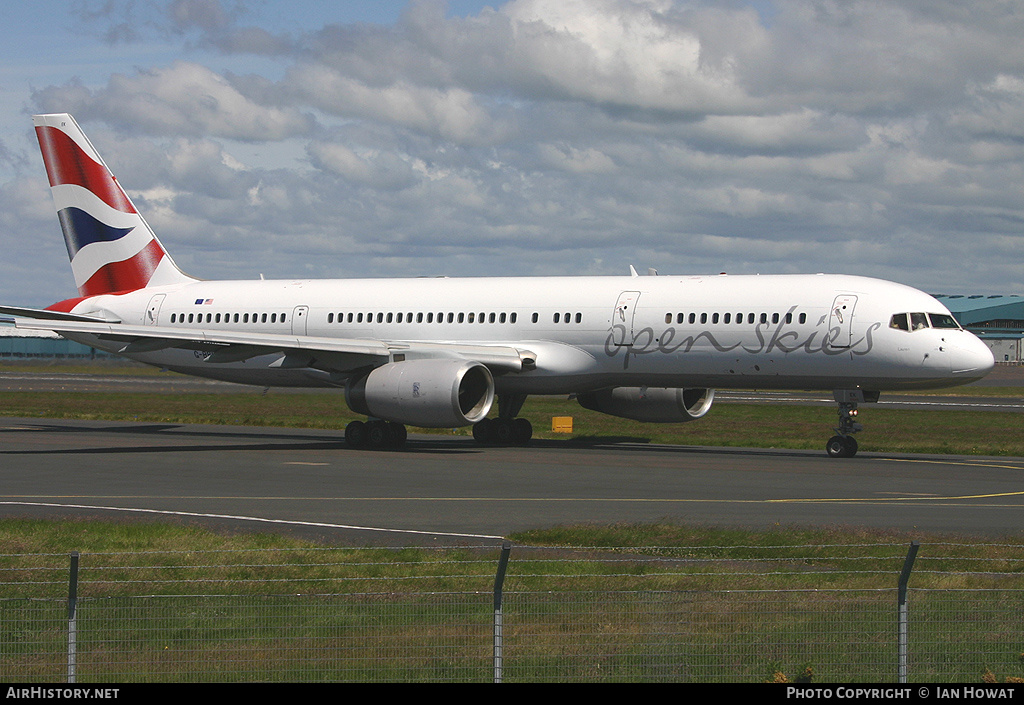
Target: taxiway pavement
(448, 491)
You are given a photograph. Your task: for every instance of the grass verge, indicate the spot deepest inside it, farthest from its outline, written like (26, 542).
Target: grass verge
(728, 424)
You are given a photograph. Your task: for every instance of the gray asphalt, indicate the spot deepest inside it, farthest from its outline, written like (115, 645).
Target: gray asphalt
(450, 491)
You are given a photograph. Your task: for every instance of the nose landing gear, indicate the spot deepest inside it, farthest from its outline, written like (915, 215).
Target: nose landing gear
(843, 444)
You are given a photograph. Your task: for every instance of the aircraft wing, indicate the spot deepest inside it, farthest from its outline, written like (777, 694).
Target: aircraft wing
(339, 355)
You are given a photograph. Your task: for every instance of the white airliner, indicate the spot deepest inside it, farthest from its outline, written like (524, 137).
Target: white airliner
(437, 352)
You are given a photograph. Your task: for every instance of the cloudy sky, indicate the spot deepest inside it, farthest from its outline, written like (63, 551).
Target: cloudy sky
(360, 138)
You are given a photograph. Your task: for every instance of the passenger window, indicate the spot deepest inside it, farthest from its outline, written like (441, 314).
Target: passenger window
(668, 318)
(512, 317)
(579, 318)
(555, 318)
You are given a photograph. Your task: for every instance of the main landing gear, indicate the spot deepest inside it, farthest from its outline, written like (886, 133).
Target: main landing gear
(506, 430)
(843, 444)
(375, 433)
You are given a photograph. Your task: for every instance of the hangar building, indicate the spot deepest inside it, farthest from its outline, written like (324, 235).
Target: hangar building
(998, 320)
(22, 344)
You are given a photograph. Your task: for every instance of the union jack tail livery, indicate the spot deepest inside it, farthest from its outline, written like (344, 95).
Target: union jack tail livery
(111, 246)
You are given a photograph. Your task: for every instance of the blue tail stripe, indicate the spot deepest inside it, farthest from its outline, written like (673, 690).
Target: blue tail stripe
(81, 229)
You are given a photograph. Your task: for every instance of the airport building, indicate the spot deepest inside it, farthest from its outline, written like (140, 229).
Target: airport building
(998, 320)
(29, 344)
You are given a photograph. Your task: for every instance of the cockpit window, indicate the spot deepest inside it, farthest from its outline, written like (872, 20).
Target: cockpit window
(921, 321)
(899, 321)
(943, 320)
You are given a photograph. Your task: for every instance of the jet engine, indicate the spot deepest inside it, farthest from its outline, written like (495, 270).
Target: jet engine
(429, 393)
(654, 404)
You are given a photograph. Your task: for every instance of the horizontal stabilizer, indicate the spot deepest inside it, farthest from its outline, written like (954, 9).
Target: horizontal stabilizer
(9, 313)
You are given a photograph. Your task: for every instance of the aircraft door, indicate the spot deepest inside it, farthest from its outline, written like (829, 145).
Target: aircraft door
(299, 316)
(153, 312)
(622, 318)
(840, 321)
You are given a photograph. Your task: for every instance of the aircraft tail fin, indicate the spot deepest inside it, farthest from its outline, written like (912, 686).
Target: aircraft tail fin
(111, 246)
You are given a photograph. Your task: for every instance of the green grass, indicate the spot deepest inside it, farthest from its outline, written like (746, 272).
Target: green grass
(727, 424)
(604, 604)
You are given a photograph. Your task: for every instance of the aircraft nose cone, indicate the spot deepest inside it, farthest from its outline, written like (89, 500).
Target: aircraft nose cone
(972, 359)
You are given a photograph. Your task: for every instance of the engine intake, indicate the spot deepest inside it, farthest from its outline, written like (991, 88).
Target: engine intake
(653, 404)
(427, 393)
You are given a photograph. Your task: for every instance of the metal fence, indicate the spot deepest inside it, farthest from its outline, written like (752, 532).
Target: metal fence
(817, 614)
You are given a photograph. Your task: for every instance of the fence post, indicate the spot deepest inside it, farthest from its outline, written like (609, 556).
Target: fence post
(901, 637)
(72, 617)
(499, 581)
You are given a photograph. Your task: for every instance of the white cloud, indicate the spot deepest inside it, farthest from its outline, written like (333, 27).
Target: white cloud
(560, 136)
(184, 98)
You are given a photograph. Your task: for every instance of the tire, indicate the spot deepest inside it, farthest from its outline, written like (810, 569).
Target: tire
(483, 432)
(355, 435)
(836, 447)
(841, 447)
(524, 431)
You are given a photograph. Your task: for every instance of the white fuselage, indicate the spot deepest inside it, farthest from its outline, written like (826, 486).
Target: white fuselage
(769, 332)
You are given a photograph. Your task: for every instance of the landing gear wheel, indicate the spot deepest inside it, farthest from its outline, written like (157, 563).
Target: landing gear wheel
(841, 447)
(355, 435)
(524, 431)
(375, 434)
(484, 432)
(503, 432)
(397, 433)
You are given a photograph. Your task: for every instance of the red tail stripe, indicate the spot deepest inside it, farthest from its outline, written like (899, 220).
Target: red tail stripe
(66, 163)
(126, 275)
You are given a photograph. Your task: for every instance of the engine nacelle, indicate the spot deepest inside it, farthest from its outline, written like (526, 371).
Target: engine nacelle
(654, 404)
(428, 393)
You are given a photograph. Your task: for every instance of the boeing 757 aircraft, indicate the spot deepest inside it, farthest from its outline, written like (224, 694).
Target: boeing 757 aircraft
(437, 352)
